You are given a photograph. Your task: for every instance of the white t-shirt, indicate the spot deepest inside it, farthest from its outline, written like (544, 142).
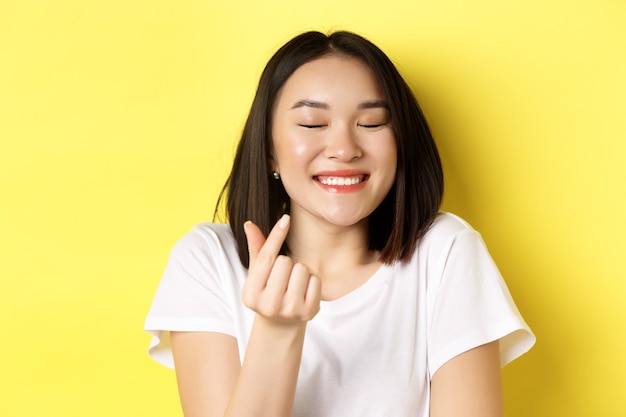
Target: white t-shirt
(371, 352)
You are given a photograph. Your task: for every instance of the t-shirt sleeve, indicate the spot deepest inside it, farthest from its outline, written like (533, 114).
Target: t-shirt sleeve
(190, 296)
(472, 306)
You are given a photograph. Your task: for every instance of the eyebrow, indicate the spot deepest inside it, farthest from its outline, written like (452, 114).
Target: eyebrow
(372, 104)
(310, 103)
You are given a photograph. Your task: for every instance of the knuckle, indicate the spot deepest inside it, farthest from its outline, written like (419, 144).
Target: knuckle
(291, 310)
(271, 307)
(299, 268)
(315, 310)
(264, 259)
(284, 260)
(248, 298)
(310, 313)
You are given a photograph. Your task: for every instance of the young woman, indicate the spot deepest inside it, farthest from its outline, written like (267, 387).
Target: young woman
(337, 288)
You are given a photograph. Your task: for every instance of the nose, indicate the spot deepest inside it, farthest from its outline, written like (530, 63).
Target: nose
(343, 145)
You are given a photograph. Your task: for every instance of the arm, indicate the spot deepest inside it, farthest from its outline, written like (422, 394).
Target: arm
(207, 367)
(285, 296)
(212, 383)
(469, 385)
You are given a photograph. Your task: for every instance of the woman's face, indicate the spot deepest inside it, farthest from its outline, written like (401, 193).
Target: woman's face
(332, 141)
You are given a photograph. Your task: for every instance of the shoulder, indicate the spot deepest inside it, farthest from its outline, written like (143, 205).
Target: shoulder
(208, 233)
(445, 229)
(207, 240)
(450, 222)
(449, 239)
(213, 233)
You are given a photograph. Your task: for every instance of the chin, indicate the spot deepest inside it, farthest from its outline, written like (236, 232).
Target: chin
(345, 220)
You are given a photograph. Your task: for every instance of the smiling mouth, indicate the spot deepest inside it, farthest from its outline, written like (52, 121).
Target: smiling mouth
(341, 181)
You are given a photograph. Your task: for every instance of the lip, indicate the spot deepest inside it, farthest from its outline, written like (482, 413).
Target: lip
(335, 180)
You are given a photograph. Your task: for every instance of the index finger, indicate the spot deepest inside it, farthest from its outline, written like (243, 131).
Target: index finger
(267, 252)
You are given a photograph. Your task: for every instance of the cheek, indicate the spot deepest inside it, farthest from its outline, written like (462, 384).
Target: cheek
(394, 158)
(387, 152)
(389, 159)
(291, 147)
(300, 149)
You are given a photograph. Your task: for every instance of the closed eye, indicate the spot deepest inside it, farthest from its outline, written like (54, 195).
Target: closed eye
(311, 126)
(372, 125)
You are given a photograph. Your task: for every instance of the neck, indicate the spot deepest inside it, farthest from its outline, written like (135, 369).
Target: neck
(327, 249)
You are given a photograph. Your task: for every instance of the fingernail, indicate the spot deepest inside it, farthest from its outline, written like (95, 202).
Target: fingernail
(283, 222)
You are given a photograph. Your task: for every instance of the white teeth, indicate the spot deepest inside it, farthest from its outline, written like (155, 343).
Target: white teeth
(340, 180)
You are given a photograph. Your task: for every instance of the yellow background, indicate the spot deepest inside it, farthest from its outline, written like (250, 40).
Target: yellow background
(117, 128)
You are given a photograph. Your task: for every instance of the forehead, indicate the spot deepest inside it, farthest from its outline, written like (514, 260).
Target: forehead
(331, 78)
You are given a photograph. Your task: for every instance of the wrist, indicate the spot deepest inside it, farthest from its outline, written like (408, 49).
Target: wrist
(280, 327)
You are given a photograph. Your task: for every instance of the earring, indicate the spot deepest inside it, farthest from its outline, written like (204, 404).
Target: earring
(276, 175)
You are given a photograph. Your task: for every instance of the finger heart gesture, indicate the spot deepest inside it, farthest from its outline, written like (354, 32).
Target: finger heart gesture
(278, 289)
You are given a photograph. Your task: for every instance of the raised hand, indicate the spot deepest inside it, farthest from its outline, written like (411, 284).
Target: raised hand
(279, 290)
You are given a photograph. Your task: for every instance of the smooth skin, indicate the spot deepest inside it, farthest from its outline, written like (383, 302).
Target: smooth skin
(346, 131)
(331, 117)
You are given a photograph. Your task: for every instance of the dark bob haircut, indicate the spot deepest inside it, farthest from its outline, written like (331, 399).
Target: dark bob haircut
(406, 213)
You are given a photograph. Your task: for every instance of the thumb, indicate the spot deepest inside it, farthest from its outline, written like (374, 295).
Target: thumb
(255, 239)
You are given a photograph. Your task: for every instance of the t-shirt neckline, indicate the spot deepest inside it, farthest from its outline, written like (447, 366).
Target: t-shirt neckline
(360, 294)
